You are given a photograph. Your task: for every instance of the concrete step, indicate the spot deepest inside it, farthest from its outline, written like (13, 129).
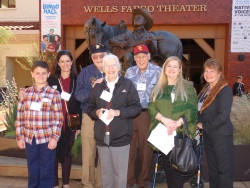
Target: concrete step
(17, 167)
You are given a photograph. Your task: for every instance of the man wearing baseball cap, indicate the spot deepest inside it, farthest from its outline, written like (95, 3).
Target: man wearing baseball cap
(144, 76)
(86, 80)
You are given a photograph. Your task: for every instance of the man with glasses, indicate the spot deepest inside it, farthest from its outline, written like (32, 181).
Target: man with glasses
(86, 80)
(144, 76)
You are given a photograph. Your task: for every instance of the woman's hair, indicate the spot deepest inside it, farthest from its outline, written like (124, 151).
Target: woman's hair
(58, 37)
(180, 92)
(215, 65)
(41, 64)
(109, 56)
(57, 70)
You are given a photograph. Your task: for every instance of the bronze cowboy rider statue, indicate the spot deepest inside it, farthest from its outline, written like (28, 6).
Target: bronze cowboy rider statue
(123, 44)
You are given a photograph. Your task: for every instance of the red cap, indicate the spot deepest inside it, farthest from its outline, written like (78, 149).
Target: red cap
(141, 48)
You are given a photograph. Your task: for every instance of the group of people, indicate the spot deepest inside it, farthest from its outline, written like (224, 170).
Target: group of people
(51, 42)
(118, 114)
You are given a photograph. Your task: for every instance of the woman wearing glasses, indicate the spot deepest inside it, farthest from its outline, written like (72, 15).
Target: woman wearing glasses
(63, 79)
(113, 104)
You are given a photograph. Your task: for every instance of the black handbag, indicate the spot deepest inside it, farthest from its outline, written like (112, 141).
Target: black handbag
(183, 159)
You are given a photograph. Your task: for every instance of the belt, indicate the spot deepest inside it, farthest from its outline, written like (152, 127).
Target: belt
(144, 109)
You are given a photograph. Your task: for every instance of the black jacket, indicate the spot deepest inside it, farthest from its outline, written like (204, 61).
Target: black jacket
(73, 105)
(125, 98)
(216, 114)
(238, 89)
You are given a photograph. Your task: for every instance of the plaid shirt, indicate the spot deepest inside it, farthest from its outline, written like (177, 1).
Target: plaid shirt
(44, 124)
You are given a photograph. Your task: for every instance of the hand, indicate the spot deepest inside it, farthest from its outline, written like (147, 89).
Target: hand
(52, 144)
(199, 125)
(124, 45)
(112, 113)
(178, 123)
(100, 112)
(97, 81)
(149, 41)
(169, 123)
(21, 143)
(77, 133)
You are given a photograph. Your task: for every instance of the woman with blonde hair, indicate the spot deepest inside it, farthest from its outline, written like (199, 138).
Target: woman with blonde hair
(172, 98)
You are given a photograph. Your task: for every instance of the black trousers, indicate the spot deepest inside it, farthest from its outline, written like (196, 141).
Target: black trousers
(66, 166)
(173, 180)
(219, 153)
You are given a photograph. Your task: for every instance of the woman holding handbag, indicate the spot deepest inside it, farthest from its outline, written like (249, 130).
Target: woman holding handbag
(172, 98)
(215, 102)
(64, 80)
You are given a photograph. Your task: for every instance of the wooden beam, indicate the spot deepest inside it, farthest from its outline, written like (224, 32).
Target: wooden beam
(81, 49)
(205, 46)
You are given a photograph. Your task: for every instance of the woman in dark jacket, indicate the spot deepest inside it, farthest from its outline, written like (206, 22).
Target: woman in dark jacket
(214, 105)
(63, 79)
(115, 99)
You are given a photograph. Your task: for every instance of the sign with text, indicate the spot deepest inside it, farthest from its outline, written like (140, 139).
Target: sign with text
(151, 8)
(50, 25)
(240, 34)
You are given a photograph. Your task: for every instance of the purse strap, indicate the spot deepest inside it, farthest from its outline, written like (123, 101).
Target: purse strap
(63, 99)
(186, 125)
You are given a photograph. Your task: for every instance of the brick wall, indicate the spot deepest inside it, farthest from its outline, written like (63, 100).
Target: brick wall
(218, 12)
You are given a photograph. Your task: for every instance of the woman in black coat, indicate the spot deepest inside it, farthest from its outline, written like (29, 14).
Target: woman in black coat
(115, 99)
(214, 106)
(63, 79)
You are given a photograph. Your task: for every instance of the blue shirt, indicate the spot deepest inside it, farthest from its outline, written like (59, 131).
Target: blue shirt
(149, 77)
(84, 84)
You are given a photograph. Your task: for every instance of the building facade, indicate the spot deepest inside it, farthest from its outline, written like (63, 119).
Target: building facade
(21, 17)
(204, 28)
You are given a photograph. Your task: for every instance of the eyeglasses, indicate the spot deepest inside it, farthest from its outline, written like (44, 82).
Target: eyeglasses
(95, 56)
(110, 66)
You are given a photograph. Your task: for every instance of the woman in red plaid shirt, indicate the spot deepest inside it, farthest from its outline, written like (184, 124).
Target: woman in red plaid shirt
(38, 127)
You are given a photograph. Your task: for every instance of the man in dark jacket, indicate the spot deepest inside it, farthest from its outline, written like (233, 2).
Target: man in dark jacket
(88, 77)
(238, 87)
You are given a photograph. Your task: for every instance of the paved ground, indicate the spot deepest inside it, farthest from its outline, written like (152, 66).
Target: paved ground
(8, 146)
(17, 182)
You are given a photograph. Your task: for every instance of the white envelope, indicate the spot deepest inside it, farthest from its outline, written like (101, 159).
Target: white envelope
(104, 118)
(160, 139)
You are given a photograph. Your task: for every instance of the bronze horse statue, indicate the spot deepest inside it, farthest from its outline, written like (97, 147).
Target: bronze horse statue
(98, 32)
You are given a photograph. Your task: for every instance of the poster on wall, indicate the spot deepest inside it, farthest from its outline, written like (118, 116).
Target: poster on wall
(240, 34)
(50, 25)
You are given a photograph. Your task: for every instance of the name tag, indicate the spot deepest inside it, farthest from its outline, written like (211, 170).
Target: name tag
(106, 96)
(172, 97)
(199, 105)
(45, 100)
(55, 86)
(65, 96)
(141, 87)
(36, 106)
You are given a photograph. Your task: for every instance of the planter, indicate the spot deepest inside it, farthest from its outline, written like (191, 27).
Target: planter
(241, 163)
